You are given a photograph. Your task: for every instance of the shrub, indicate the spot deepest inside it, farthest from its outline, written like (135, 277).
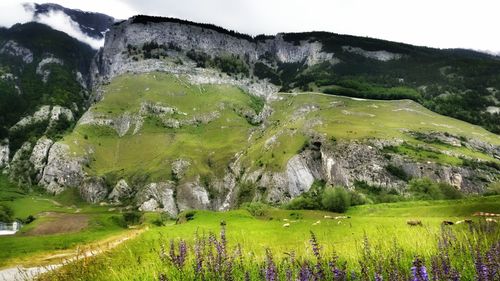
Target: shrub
(161, 219)
(185, 216)
(358, 198)
(302, 203)
(246, 192)
(493, 189)
(450, 192)
(336, 199)
(119, 220)
(231, 65)
(257, 209)
(377, 194)
(6, 213)
(27, 220)
(425, 188)
(397, 172)
(133, 218)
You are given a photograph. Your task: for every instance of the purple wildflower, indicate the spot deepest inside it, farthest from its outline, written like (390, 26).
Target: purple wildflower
(223, 240)
(315, 246)
(318, 273)
(305, 272)
(178, 260)
(493, 258)
(162, 277)
(366, 259)
(339, 273)
(289, 269)
(271, 271)
(199, 257)
(354, 276)
(419, 272)
(481, 267)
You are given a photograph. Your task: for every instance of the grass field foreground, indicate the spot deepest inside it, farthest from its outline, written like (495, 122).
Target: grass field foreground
(254, 245)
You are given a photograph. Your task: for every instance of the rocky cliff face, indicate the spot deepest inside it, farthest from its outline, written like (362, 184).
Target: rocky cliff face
(346, 162)
(178, 39)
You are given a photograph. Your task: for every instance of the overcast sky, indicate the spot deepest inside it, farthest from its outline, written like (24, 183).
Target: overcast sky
(437, 23)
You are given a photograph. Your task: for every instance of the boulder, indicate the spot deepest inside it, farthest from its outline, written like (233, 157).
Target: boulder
(192, 195)
(93, 189)
(39, 156)
(62, 169)
(121, 191)
(179, 168)
(4, 153)
(155, 197)
(20, 168)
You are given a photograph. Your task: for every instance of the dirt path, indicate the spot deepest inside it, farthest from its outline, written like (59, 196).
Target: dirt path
(21, 273)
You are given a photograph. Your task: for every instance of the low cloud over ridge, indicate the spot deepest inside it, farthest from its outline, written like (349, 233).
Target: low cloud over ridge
(58, 20)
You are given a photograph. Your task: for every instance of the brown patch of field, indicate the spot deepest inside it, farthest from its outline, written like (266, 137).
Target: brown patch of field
(55, 223)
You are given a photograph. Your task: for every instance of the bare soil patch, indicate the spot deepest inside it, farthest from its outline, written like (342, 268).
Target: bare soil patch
(60, 223)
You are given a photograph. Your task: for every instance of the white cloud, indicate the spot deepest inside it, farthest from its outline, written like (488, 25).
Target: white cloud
(62, 22)
(12, 12)
(442, 23)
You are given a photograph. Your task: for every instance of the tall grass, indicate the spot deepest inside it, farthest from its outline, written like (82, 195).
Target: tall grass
(468, 253)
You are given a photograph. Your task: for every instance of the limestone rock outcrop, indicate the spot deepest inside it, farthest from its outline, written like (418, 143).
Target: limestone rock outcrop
(4, 153)
(120, 192)
(62, 170)
(93, 189)
(158, 197)
(39, 155)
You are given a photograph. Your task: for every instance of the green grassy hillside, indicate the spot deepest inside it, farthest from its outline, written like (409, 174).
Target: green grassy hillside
(337, 118)
(211, 146)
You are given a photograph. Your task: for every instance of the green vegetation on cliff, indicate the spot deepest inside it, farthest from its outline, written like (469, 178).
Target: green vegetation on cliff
(210, 126)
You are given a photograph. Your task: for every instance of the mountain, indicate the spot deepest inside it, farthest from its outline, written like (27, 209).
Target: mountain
(92, 24)
(459, 83)
(186, 115)
(40, 67)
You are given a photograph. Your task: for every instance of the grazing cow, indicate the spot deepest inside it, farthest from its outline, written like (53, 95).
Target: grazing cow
(341, 217)
(285, 219)
(414, 223)
(464, 221)
(491, 220)
(483, 214)
(286, 225)
(447, 223)
(327, 217)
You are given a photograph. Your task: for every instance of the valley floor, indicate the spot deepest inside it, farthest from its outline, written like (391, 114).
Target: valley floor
(383, 225)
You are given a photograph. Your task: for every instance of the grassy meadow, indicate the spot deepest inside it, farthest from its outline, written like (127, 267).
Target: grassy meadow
(59, 228)
(384, 226)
